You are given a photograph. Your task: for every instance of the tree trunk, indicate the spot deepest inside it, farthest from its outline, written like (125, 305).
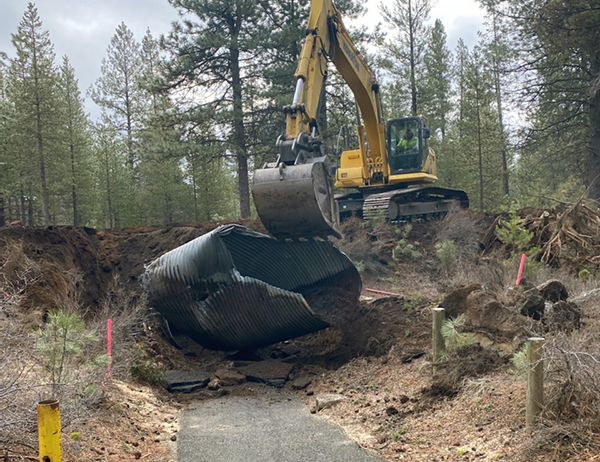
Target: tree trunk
(73, 188)
(22, 201)
(461, 98)
(194, 188)
(168, 209)
(594, 114)
(2, 210)
(109, 193)
(498, 86)
(413, 80)
(128, 115)
(30, 209)
(45, 194)
(479, 151)
(238, 125)
(40, 140)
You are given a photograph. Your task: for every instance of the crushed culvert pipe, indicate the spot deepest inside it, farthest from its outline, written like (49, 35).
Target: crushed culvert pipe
(235, 289)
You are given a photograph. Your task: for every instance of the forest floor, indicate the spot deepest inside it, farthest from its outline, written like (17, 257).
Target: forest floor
(472, 407)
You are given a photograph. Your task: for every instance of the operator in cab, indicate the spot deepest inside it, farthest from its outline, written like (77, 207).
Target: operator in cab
(408, 141)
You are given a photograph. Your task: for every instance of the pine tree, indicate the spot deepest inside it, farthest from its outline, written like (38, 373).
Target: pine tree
(114, 182)
(561, 62)
(436, 81)
(462, 58)
(501, 55)
(451, 157)
(407, 46)
(217, 53)
(279, 51)
(161, 187)
(4, 134)
(75, 138)
(32, 88)
(118, 92)
(214, 196)
(479, 142)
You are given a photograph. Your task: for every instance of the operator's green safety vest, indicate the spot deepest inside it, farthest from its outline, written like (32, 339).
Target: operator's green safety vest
(405, 144)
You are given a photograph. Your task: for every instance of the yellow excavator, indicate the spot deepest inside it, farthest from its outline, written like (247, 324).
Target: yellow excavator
(392, 169)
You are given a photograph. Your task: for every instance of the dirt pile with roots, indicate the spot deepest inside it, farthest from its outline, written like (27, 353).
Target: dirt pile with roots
(85, 261)
(566, 236)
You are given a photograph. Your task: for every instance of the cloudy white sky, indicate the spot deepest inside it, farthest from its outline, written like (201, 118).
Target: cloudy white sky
(82, 29)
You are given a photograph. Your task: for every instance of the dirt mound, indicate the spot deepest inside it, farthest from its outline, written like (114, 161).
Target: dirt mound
(386, 326)
(52, 265)
(66, 263)
(391, 323)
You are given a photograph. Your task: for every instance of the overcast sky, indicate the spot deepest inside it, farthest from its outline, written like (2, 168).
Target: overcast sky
(82, 29)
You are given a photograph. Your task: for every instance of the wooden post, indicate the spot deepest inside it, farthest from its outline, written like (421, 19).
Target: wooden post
(535, 381)
(49, 431)
(439, 347)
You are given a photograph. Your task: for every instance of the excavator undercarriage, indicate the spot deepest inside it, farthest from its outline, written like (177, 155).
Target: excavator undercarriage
(398, 205)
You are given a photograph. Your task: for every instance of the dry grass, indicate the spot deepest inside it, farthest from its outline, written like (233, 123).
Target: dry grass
(17, 270)
(573, 377)
(126, 308)
(571, 416)
(368, 244)
(17, 390)
(460, 227)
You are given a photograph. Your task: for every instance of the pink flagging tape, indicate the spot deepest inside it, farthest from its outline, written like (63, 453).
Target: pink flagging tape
(383, 292)
(521, 269)
(109, 328)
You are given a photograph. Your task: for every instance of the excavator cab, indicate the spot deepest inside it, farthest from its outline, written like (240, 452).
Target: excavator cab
(407, 145)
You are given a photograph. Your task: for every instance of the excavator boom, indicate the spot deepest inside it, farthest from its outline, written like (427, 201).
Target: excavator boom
(294, 195)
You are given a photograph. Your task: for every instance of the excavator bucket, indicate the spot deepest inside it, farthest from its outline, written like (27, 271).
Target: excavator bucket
(296, 201)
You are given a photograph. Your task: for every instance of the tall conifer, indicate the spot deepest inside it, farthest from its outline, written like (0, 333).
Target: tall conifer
(32, 89)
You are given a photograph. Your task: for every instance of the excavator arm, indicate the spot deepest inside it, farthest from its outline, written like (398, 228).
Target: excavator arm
(294, 194)
(327, 39)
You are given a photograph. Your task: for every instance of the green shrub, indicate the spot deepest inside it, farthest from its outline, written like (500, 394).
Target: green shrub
(145, 370)
(584, 274)
(532, 267)
(514, 233)
(453, 337)
(519, 362)
(403, 247)
(448, 255)
(62, 347)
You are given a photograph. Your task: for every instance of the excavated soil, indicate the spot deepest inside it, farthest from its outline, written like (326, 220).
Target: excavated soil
(377, 355)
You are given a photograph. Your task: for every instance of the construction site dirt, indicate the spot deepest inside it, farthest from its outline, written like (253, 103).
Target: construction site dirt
(376, 356)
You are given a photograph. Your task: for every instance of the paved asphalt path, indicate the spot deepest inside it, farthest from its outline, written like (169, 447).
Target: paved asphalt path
(266, 427)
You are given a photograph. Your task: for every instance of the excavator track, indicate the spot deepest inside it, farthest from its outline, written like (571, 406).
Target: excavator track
(412, 204)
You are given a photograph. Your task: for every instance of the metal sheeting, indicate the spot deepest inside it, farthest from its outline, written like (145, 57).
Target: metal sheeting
(235, 288)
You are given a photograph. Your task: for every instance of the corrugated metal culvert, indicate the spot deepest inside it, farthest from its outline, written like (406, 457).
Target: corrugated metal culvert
(234, 288)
